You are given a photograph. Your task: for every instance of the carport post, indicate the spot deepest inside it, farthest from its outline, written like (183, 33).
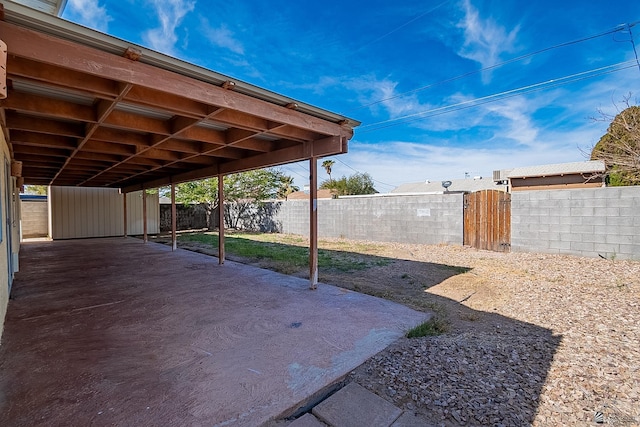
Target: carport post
(221, 219)
(313, 223)
(144, 216)
(124, 203)
(174, 242)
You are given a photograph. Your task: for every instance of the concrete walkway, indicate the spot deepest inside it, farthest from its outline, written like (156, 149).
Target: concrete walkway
(118, 332)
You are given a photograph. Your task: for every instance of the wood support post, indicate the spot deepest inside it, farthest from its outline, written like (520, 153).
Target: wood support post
(313, 223)
(221, 254)
(174, 241)
(144, 216)
(124, 213)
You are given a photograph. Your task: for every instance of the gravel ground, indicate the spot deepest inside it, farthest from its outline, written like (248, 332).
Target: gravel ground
(542, 340)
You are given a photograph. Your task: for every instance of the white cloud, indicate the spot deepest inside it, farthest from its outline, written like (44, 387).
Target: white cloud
(514, 115)
(485, 40)
(377, 93)
(400, 162)
(88, 13)
(170, 13)
(221, 37)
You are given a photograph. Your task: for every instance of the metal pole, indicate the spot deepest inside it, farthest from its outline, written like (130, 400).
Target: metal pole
(124, 203)
(144, 216)
(221, 254)
(174, 241)
(313, 223)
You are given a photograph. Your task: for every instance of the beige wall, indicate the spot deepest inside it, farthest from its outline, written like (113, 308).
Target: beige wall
(77, 212)
(9, 231)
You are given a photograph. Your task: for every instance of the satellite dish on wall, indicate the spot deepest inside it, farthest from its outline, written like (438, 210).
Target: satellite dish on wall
(446, 184)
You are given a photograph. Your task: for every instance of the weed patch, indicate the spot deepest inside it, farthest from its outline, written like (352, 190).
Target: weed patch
(432, 327)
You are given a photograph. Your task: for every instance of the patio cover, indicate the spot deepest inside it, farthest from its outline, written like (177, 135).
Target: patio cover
(87, 109)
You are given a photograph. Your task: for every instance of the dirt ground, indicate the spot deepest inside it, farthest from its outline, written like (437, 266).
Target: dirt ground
(533, 339)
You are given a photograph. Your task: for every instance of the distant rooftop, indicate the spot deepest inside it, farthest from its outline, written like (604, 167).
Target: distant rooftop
(301, 195)
(457, 185)
(591, 166)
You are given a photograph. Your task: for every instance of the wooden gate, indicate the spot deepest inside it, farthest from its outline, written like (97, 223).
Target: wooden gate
(487, 220)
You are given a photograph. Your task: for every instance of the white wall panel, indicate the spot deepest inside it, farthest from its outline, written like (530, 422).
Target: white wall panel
(78, 212)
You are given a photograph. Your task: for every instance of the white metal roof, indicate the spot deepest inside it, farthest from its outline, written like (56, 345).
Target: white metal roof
(591, 166)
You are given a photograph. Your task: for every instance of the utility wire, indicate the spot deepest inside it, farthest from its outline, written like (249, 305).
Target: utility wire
(618, 28)
(633, 44)
(499, 96)
(401, 26)
(357, 171)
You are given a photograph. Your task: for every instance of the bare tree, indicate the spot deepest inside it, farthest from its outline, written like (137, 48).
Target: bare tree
(620, 146)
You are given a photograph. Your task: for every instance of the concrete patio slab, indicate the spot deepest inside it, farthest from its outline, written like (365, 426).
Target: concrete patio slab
(118, 332)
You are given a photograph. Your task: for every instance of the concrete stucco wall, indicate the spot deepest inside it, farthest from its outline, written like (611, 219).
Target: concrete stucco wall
(427, 219)
(586, 222)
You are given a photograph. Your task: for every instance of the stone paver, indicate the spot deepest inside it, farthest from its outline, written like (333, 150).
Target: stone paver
(410, 419)
(307, 420)
(355, 406)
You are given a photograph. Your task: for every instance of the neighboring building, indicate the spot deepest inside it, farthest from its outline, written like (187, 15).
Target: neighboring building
(587, 174)
(457, 186)
(301, 195)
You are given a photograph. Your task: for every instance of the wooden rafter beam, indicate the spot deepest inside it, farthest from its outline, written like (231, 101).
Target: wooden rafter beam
(42, 106)
(29, 44)
(21, 68)
(21, 137)
(320, 148)
(122, 137)
(109, 120)
(24, 122)
(103, 109)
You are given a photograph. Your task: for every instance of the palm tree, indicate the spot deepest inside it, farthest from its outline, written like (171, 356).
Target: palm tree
(287, 187)
(327, 164)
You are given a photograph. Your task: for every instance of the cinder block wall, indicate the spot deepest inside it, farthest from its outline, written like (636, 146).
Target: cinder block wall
(35, 218)
(427, 219)
(587, 222)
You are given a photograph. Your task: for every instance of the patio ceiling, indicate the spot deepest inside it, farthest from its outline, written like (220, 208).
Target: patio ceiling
(86, 109)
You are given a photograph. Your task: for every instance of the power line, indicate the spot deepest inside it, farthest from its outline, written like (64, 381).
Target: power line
(618, 28)
(401, 26)
(297, 173)
(633, 44)
(357, 171)
(499, 96)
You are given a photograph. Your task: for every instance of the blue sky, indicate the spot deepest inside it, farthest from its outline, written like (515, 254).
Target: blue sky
(412, 72)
